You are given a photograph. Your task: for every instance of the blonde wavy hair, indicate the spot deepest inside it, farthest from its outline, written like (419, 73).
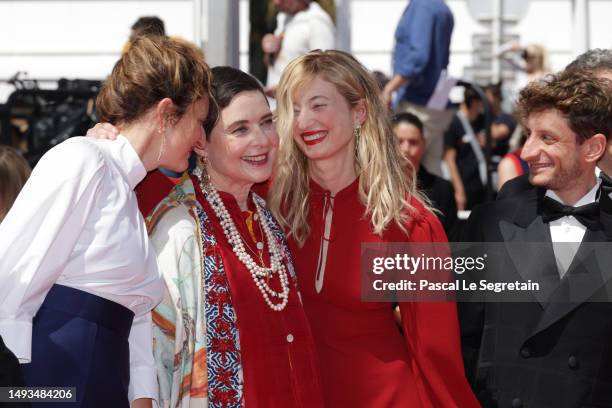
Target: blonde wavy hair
(385, 186)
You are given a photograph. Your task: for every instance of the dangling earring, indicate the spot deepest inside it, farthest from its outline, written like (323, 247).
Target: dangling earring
(201, 172)
(162, 132)
(356, 136)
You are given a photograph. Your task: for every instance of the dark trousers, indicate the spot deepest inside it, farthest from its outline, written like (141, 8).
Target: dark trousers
(81, 340)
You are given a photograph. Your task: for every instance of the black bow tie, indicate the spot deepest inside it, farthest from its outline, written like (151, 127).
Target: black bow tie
(587, 215)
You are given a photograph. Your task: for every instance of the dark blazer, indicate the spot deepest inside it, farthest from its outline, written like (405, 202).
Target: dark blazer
(548, 352)
(442, 196)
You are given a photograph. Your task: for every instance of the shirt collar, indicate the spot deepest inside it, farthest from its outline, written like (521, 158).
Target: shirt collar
(588, 198)
(130, 162)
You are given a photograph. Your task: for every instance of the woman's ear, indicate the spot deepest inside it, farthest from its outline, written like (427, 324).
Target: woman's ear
(201, 148)
(360, 112)
(165, 113)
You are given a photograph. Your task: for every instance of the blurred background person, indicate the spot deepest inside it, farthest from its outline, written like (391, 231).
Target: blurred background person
(408, 129)
(420, 59)
(463, 152)
(302, 25)
(504, 125)
(14, 172)
(147, 26)
(381, 79)
(512, 165)
(599, 63)
(531, 63)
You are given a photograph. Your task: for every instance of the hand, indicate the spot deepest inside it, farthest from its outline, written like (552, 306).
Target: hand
(386, 97)
(461, 200)
(103, 131)
(396, 82)
(142, 403)
(270, 44)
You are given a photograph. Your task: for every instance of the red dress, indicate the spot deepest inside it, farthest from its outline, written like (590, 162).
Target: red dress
(278, 356)
(363, 358)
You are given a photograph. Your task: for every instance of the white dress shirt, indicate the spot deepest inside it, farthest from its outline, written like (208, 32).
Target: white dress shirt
(309, 29)
(76, 223)
(568, 232)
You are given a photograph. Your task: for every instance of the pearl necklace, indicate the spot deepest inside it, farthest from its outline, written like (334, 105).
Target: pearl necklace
(260, 274)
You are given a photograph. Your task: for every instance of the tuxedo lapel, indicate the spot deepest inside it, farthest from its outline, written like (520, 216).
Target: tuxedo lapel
(590, 270)
(528, 244)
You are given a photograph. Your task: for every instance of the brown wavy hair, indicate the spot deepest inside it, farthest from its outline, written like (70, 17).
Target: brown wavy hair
(584, 99)
(14, 172)
(152, 69)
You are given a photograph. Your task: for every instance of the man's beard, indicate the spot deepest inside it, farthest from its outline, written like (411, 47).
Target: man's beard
(565, 177)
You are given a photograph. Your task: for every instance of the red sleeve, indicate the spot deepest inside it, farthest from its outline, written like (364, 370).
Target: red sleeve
(431, 330)
(150, 191)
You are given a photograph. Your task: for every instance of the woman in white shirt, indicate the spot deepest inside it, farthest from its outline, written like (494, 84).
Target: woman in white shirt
(78, 277)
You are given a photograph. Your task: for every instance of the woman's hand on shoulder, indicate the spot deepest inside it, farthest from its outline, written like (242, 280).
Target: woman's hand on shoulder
(142, 403)
(103, 131)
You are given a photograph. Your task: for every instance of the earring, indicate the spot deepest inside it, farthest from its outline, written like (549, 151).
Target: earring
(356, 136)
(201, 172)
(163, 144)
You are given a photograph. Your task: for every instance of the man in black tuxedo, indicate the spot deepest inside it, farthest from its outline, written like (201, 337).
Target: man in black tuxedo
(555, 351)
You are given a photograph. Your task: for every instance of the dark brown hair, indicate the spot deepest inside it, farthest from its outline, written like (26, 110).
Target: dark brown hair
(14, 172)
(153, 68)
(148, 25)
(582, 98)
(227, 82)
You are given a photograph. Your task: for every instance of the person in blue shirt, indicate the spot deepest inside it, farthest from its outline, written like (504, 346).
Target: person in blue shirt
(420, 56)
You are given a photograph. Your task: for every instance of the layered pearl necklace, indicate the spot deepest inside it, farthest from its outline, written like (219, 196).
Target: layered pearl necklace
(260, 274)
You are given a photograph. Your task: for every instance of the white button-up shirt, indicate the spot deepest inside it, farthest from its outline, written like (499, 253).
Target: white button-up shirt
(76, 223)
(568, 232)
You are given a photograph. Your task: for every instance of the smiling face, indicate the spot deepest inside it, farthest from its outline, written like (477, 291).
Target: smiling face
(556, 160)
(243, 143)
(186, 134)
(323, 123)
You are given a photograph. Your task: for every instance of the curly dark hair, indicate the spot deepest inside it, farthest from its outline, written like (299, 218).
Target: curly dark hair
(583, 98)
